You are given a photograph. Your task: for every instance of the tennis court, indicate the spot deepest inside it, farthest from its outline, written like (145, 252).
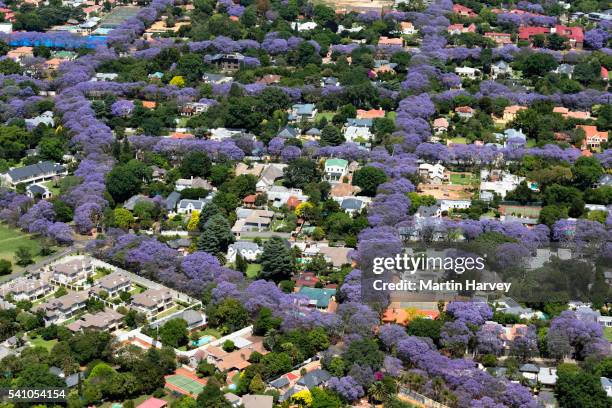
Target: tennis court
(185, 384)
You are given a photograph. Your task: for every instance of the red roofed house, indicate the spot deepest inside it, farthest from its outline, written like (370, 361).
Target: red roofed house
(574, 34)
(153, 403)
(593, 137)
(456, 29)
(386, 41)
(526, 33)
(604, 74)
(464, 112)
(500, 38)
(9, 15)
(463, 11)
(370, 114)
(293, 202)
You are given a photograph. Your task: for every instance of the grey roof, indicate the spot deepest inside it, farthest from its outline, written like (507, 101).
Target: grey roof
(197, 204)
(45, 118)
(37, 189)
(135, 199)
(359, 122)
(605, 382)
(605, 180)
(288, 394)
(257, 401)
(192, 317)
(172, 200)
(314, 378)
(313, 132)
(45, 167)
(244, 245)
(73, 379)
(351, 204)
(279, 382)
(428, 211)
(529, 368)
(56, 371)
(288, 132)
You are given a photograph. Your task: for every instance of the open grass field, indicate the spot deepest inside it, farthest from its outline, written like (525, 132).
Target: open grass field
(11, 239)
(461, 179)
(40, 342)
(458, 140)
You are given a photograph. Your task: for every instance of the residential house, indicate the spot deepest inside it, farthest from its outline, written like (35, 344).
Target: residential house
(20, 53)
(249, 219)
(302, 111)
(500, 68)
(269, 79)
(547, 376)
(72, 272)
(574, 34)
(335, 170)
(384, 41)
(152, 301)
(193, 182)
(188, 206)
(464, 112)
(135, 199)
(238, 359)
(45, 118)
(358, 134)
(280, 195)
(308, 279)
(605, 180)
(288, 132)
(359, 122)
(407, 28)
(63, 308)
(456, 29)
(319, 298)
(28, 289)
(500, 39)
(104, 77)
(253, 169)
(440, 125)
(468, 72)
(114, 283)
(593, 137)
(315, 378)
(499, 182)
(107, 320)
(565, 69)
(529, 371)
(511, 306)
(38, 191)
(429, 211)
(226, 62)
(370, 114)
(216, 79)
(352, 205)
(307, 26)
(463, 11)
(247, 249)
(329, 81)
(233, 399)
(526, 33)
(153, 403)
(450, 205)
(269, 175)
(172, 201)
(510, 112)
(34, 173)
(219, 134)
(194, 108)
(568, 114)
(433, 173)
(511, 138)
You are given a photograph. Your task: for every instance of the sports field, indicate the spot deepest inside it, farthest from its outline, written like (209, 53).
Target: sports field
(185, 382)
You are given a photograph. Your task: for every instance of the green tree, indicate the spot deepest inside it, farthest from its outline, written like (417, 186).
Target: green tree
(331, 136)
(23, 256)
(241, 264)
(369, 178)
(577, 388)
(425, 328)
(417, 200)
(300, 172)
(229, 315)
(276, 260)
(587, 172)
(174, 333)
(125, 180)
(537, 64)
(51, 148)
(257, 385)
(123, 218)
(212, 396)
(6, 267)
(195, 164)
(216, 236)
(265, 322)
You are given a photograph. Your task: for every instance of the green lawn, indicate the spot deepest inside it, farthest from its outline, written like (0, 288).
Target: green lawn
(459, 140)
(40, 342)
(253, 270)
(325, 114)
(51, 185)
(11, 239)
(461, 179)
(531, 142)
(608, 333)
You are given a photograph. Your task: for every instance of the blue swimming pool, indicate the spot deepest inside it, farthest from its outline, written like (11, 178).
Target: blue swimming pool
(202, 341)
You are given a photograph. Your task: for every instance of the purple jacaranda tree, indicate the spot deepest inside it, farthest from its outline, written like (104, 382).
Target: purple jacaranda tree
(290, 153)
(524, 345)
(455, 336)
(596, 38)
(398, 186)
(511, 254)
(392, 366)
(60, 232)
(391, 334)
(350, 290)
(389, 210)
(357, 318)
(470, 312)
(41, 211)
(87, 216)
(489, 339)
(346, 387)
(580, 334)
(122, 107)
